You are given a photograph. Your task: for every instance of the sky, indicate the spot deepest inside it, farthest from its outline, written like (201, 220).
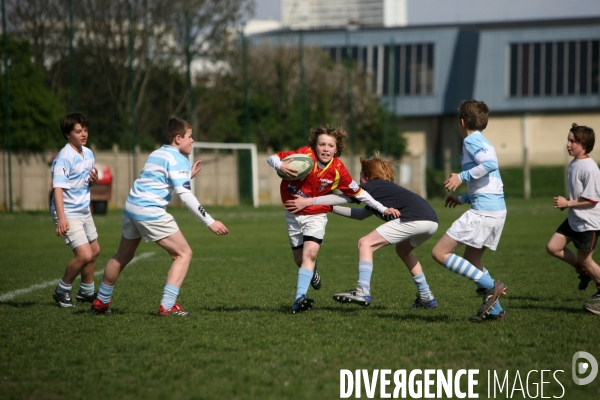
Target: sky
(464, 11)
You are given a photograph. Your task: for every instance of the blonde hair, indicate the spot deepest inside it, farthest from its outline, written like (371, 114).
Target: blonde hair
(377, 168)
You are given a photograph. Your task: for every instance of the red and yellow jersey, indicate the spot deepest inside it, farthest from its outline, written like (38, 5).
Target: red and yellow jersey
(319, 182)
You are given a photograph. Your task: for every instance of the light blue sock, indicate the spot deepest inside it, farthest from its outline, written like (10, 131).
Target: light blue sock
(105, 293)
(86, 288)
(462, 267)
(422, 287)
(64, 287)
(169, 298)
(304, 277)
(365, 270)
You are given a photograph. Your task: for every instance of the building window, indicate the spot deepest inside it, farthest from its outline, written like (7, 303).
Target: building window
(403, 69)
(545, 69)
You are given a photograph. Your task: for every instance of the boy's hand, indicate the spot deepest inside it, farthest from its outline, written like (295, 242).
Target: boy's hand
(218, 228)
(452, 183)
(391, 212)
(62, 227)
(452, 201)
(93, 176)
(560, 202)
(298, 204)
(287, 170)
(195, 168)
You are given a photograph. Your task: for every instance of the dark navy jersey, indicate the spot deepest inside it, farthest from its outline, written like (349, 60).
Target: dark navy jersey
(412, 207)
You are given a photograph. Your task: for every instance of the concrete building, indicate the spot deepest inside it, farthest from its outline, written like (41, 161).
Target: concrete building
(537, 77)
(311, 14)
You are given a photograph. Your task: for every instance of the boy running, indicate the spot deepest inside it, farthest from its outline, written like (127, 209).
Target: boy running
(166, 170)
(582, 225)
(481, 226)
(306, 229)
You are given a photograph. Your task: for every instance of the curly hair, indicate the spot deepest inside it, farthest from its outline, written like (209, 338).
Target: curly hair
(585, 136)
(377, 168)
(475, 114)
(339, 134)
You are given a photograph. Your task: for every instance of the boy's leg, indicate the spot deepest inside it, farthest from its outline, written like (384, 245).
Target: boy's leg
(181, 253)
(584, 258)
(474, 256)
(366, 247)
(310, 249)
(557, 247)
(88, 270)
(62, 293)
(115, 265)
(424, 298)
(443, 253)
(87, 291)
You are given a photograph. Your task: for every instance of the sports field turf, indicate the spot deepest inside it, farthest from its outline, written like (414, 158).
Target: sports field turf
(243, 342)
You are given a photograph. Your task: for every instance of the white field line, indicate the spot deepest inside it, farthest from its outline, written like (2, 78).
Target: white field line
(11, 295)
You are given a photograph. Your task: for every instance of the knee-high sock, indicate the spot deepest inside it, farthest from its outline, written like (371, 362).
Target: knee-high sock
(304, 277)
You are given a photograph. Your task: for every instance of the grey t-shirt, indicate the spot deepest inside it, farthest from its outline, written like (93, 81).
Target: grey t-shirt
(583, 180)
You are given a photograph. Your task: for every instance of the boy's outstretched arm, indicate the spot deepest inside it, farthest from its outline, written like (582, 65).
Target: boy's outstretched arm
(299, 203)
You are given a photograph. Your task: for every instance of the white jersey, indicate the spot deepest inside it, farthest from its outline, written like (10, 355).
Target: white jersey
(480, 172)
(71, 172)
(583, 180)
(166, 170)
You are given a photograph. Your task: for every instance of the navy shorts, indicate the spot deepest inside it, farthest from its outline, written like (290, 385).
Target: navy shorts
(584, 241)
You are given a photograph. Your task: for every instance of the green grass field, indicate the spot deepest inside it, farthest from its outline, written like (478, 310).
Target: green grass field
(243, 342)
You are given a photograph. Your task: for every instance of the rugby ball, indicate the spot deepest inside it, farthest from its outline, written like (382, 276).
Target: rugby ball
(301, 163)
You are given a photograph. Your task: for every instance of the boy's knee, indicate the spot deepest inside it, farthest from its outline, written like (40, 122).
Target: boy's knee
(437, 255)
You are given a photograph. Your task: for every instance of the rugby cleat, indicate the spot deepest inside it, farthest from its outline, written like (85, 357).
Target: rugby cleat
(423, 304)
(490, 317)
(99, 308)
(490, 297)
(315, 282)
(354, 296)
(584, 279)
(63, 299)
(175, 310)
(594, 299)
(302, 303)
(85, 298)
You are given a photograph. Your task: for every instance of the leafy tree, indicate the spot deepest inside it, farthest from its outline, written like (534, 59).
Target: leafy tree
(276, 106)
(35, 112)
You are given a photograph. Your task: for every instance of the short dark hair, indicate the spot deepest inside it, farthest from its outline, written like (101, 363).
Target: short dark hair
(174, 127)
(338, 134)
(475, 114)
(70, 120)
(585, 136)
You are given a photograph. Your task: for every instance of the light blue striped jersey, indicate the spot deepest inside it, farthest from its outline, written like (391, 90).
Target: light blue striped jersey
(166, 169)
(480, 172)
(71, 172)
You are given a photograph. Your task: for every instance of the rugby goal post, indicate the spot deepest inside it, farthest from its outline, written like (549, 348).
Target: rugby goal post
(232, 146)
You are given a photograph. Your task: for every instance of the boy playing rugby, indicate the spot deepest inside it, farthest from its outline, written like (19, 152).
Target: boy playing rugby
(72, 174)
(582, 225)
(306, 229)
(166, 170)
(481, 226)
(417, 223)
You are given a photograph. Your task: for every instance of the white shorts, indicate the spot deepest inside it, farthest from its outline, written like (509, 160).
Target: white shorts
(81, 230)
(477, 230)
(300, 227)
(151, 231)
(418, 232)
